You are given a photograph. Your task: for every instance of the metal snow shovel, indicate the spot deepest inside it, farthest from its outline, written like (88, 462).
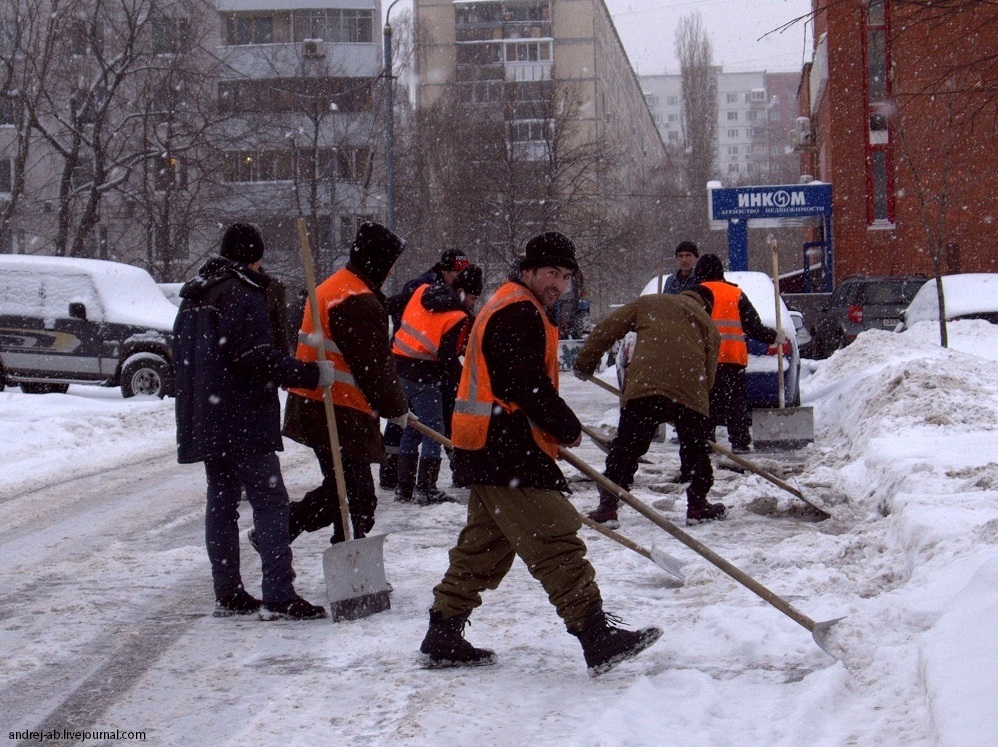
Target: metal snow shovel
(819, 630)
(783, 427)
(741, 461)
(355, 568)
(663, 560)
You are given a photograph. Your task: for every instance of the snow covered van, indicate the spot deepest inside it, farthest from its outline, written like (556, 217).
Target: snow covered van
(83, 321)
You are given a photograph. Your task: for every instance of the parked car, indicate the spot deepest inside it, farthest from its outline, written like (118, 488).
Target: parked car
(804, 339)
(860, 303)
(762, 375)
(83, 321)
(968, 296)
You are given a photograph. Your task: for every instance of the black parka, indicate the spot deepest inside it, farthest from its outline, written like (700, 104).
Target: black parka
(227, 367)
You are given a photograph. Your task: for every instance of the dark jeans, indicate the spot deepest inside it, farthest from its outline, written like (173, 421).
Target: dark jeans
(260, 474)
(639, 419)
(728, 405)
(321, 506)
(427, 405)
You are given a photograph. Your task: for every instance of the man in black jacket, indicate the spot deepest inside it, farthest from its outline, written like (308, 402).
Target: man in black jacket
(355, 324)
(508, 423)
(229, 417)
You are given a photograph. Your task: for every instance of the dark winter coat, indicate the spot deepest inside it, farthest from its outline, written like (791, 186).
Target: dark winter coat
(439, 297)
(513, 346)
(396, 304)
(675, 355)
(360, 327)
(227, 367)
(676, 284)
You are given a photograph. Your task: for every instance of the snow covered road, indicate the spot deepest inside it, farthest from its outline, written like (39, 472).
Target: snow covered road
(105, 595)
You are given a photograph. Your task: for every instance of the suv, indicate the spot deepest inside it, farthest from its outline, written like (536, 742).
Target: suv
(860, 303)
(83, 321)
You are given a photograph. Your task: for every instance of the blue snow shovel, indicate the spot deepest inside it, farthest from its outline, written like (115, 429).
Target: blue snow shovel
(355, 568)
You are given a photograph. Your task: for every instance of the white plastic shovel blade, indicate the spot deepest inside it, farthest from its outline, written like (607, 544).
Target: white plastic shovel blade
(355, 578)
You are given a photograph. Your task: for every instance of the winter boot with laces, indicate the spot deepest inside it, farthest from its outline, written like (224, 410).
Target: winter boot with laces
(605, 645)
(238, 603)
(406, 478)
(700, 510)
(606, 512)
(427, 492)
(444, 645)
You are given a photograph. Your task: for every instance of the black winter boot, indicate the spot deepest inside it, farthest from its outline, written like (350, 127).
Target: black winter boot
(605, 645)
(388, 472)
(700, 510)
(237, 603)
(406, 478)
(606, 512)
(444, 645)
(426, 484)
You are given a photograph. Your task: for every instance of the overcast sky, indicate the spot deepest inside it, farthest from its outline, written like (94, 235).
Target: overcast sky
(647, 29)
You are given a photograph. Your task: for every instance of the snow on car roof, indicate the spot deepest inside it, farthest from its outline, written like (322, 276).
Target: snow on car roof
(128, 294)
(970, 293)
(758, 286)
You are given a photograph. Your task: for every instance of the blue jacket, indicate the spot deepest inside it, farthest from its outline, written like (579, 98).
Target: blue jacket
(228, 369)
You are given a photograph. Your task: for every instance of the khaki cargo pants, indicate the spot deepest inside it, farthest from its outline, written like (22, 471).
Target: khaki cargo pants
(540, 526)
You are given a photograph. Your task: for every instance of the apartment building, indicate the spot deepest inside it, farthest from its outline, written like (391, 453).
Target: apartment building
(896, 114)
(756, 113)
(485, 49)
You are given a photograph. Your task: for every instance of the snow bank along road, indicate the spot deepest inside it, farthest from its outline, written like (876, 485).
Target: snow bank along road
(105, 595)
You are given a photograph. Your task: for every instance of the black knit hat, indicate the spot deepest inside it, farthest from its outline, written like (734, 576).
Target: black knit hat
(451, 260)
(242, 243)
(375, 251)
(705, 293)
(687, 246)
(708, 268)
(469, 280)
(550, 249)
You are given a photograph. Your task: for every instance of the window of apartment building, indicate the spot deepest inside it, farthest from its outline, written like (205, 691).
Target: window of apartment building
(479, 54)
(732, 98)
(478, 13)
(733, 168)
(732, 150)
(528, 51)
(733, 134)
(776, 150)
(673, 137)
(751, 115)
(756, 95)
(174, 243)
(169, 174)
(335, 25)
(6, 175)
(519, 12)
(759, 148)
(652, 100)
(672, 100)
(673, 118)
(775, 115)
(168, 34)
(530, 130)
(879, 159)
(8, 110)
(349, 225)
(732, 116)
(249, 29)
(294, 94)
(81, 38)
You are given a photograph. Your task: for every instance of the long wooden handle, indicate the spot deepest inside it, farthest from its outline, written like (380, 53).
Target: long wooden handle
(779, 320)
(327, 391)
(695, 545)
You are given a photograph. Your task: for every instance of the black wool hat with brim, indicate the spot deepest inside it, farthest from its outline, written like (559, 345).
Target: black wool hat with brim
(375, 250)
(549, 249)
(469, 280)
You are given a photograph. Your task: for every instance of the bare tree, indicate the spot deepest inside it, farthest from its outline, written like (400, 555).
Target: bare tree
(699, 91)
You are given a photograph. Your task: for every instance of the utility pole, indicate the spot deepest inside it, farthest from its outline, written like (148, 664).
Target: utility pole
(389, 119)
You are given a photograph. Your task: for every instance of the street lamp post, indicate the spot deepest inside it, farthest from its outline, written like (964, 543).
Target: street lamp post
(389, 119)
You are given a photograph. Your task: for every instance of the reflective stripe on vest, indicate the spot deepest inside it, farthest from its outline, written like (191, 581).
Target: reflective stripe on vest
(421, 331)
(728, 321)
(476, 402)
(337, 288)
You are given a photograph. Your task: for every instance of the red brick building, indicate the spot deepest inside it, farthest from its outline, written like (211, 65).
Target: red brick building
(898, 113)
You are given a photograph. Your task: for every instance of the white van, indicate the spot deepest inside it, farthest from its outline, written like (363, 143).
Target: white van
(83, 321)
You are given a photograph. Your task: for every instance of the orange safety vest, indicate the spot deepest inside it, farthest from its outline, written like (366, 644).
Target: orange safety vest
(340, 286)
(728, 322)
(476, 401)
(421, 331)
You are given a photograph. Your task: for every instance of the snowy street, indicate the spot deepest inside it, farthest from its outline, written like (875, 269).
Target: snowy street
(106, 599)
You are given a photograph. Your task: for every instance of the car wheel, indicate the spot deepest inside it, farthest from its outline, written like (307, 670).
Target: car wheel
(37, 387)
(147, 374)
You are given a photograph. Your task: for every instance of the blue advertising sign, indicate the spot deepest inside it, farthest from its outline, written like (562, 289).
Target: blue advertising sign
(781, 201)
